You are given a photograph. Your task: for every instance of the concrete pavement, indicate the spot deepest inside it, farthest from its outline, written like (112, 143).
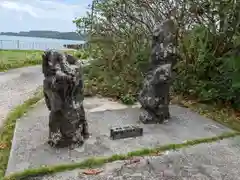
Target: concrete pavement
(16, 86)
(30, 150)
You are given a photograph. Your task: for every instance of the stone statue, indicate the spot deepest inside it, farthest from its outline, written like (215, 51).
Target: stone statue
(154, 96)
(63, 92)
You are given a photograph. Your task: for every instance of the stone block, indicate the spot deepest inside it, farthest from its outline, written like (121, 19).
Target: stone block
(125, 132)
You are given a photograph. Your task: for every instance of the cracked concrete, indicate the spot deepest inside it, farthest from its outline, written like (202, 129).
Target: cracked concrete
(30, 150)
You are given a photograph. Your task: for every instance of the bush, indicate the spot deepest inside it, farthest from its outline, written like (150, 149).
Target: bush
(81, 54)
(206, 73)
(209, 66)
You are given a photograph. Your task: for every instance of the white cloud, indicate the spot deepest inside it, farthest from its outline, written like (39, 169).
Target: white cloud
(40, 14)
(19, 7)
(46, 9)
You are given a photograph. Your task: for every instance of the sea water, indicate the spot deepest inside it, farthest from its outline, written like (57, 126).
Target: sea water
(33, 43)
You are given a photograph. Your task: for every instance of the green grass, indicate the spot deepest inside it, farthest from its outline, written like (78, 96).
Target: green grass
(19, 50)
(10, 59)
(94, 162)
(7, 131)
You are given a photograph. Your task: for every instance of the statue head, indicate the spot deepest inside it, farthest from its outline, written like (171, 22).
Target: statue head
(165, 33)
(164, 42)
(53, 61)
(50, 59)
(164, 28)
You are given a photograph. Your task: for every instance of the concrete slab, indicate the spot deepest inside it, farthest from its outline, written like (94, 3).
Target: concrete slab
(215, 161)
(30, 150)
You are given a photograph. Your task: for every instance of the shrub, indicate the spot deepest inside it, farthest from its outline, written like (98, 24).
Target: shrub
(81, 54)
(208, 39)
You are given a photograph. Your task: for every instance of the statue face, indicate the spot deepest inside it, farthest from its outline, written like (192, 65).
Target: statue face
(55, 59)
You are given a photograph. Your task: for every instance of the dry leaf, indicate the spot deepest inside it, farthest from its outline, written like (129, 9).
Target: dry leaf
(132, 161)
(92, 172)
(3, 145)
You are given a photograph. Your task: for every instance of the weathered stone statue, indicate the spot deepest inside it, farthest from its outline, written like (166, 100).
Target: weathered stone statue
(63, 91)
(154, 95)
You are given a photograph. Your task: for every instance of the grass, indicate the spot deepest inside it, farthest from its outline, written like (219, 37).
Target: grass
(94, 162)
(223, 115)
(7, 131)
(10, 59)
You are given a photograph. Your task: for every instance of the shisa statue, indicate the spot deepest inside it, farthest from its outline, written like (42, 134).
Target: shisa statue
(154, 96)
(63, 92)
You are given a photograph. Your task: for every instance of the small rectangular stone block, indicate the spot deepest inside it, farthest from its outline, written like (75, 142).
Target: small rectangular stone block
(125, 132)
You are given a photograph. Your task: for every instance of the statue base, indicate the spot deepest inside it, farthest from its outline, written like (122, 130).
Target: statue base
(67, 127)
(147, 117)
(66, 142)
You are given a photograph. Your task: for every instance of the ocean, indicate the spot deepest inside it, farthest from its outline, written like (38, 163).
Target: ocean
(33, 43)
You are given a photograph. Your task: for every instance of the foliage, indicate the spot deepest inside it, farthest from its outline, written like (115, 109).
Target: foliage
(208, 42)
(205, 73)
(83, 54)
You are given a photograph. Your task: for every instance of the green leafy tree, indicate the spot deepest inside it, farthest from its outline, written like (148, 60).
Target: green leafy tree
(119, 32)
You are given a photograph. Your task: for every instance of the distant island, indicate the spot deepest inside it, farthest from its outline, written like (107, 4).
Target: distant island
(47, 34)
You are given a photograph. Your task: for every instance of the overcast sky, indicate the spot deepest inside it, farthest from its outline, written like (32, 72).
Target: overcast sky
(25, 15)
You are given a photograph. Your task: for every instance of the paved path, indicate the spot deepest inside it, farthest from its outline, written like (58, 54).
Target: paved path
(214, 161)
(16, 86)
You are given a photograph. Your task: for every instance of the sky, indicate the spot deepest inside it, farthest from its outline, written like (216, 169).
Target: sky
(55, 15)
